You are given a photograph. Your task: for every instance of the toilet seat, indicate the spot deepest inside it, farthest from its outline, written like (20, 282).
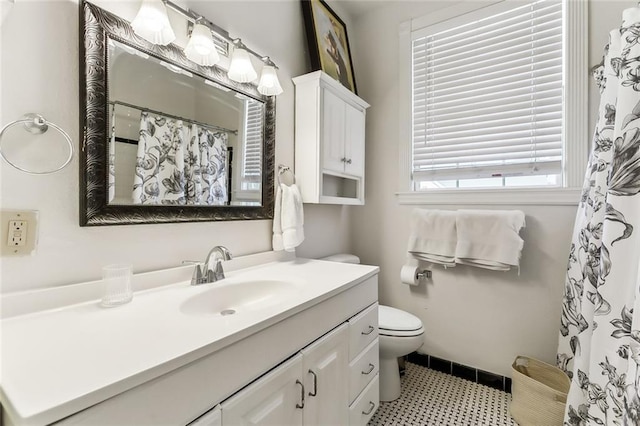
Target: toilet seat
(397, 323)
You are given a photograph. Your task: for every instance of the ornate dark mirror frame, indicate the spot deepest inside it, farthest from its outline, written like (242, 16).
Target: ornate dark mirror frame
(96, 27)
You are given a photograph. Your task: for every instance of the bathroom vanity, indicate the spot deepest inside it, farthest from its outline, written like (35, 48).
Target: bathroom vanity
(283, 342)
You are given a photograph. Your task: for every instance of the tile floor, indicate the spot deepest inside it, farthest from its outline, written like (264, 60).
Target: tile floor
(432, 398)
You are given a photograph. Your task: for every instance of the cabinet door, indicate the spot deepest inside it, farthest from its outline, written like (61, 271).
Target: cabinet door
(275, 399)
(210, 418)
(326, 369)
(354, 141)
(333, 132)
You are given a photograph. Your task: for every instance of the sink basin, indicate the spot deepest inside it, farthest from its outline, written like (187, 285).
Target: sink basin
(230, 296)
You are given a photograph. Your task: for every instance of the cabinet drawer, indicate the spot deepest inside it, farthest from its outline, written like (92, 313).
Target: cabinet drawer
(363, 369)
(363, 329)
(361, 411)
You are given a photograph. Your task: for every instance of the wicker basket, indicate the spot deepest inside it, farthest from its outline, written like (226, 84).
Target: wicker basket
(539, 393)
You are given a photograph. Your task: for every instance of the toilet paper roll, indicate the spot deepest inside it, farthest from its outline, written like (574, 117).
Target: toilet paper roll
(409, 274)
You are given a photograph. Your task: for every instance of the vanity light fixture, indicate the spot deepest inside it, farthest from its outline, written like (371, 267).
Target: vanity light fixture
(201, 49)
(241, 69)
(269, 84)
(152, 23)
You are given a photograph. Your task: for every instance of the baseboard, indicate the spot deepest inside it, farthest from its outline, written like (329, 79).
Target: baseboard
(475, 375)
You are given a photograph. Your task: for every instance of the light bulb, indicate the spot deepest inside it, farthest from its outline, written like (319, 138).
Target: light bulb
(269, 84)
(241, 69)
(201, 48)
(152, 23)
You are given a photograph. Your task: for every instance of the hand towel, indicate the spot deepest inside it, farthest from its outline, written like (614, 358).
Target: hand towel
(489, 238)
(288, 218)
(292, 217)
(433, 236)
(277, 222)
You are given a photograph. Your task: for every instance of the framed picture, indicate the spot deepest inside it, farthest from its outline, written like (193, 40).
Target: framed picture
(328, 42)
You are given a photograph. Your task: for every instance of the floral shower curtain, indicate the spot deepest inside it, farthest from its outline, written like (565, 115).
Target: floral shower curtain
(212, 163)
(179, 163)
(599, 345)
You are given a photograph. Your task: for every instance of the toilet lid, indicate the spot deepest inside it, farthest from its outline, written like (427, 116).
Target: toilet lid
(395, 319)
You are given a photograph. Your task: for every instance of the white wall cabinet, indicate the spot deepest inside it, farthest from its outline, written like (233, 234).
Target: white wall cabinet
(329, 141)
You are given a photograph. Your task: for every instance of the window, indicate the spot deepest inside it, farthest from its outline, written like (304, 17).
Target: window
(487, 92)
(247, 187)
(252, 153)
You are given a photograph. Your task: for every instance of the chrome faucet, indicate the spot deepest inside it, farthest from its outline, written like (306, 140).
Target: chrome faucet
(207, 273)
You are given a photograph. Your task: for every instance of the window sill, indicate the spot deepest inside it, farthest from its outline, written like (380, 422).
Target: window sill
(503, 196)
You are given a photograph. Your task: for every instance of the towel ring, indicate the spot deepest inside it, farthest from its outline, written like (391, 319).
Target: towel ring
(289, 180)
(37, 124)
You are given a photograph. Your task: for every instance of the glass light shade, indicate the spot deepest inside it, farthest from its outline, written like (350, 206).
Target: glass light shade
(201, 48)
(152, 23)
(269, 84)
(241, 69)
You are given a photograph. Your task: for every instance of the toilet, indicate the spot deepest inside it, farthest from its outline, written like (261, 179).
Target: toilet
(400, 333)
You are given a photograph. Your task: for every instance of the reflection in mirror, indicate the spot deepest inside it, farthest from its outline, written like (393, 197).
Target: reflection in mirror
(178, 138)
(165, 139)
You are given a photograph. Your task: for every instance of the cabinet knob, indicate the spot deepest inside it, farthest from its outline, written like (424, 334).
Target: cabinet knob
(349, 161)
(343, 159)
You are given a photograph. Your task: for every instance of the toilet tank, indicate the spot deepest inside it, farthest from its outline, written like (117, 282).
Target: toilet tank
(342, 258)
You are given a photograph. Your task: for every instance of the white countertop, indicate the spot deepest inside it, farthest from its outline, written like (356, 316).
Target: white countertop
(60, 361)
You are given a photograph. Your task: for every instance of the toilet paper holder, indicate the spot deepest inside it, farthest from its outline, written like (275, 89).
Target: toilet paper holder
(425, 273)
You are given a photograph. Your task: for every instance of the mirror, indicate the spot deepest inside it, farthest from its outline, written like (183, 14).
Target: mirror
(167, 140)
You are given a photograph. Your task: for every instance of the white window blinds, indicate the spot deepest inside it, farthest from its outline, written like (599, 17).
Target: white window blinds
(252, 160)
(487, 94)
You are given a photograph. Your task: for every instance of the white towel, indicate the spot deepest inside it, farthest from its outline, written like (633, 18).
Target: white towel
(433, 236)
(288, 218)
(489, 238)
(277, 222)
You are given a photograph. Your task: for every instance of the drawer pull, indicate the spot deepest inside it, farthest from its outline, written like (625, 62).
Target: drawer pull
(371, 367)
(370, 410)
(301, 405)
(315, 383)
(369, 330)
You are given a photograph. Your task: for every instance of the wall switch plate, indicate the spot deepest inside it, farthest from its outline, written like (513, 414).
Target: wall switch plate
(19, 232)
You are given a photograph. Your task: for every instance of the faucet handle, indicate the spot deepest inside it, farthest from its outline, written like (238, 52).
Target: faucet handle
(218, 272)
(198, 276)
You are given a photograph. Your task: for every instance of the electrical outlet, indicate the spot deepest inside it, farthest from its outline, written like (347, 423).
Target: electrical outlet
(19, 232)
(17, 235)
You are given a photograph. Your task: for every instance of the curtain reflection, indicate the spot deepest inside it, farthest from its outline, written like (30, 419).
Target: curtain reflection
(179, 163)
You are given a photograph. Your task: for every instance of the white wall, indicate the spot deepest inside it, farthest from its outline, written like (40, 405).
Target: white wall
(39, 73)
(471, 316)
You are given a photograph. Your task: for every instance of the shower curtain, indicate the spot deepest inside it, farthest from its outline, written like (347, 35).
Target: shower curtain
(212, 151)
(179, 163)
(159, 174)
(599, 344)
